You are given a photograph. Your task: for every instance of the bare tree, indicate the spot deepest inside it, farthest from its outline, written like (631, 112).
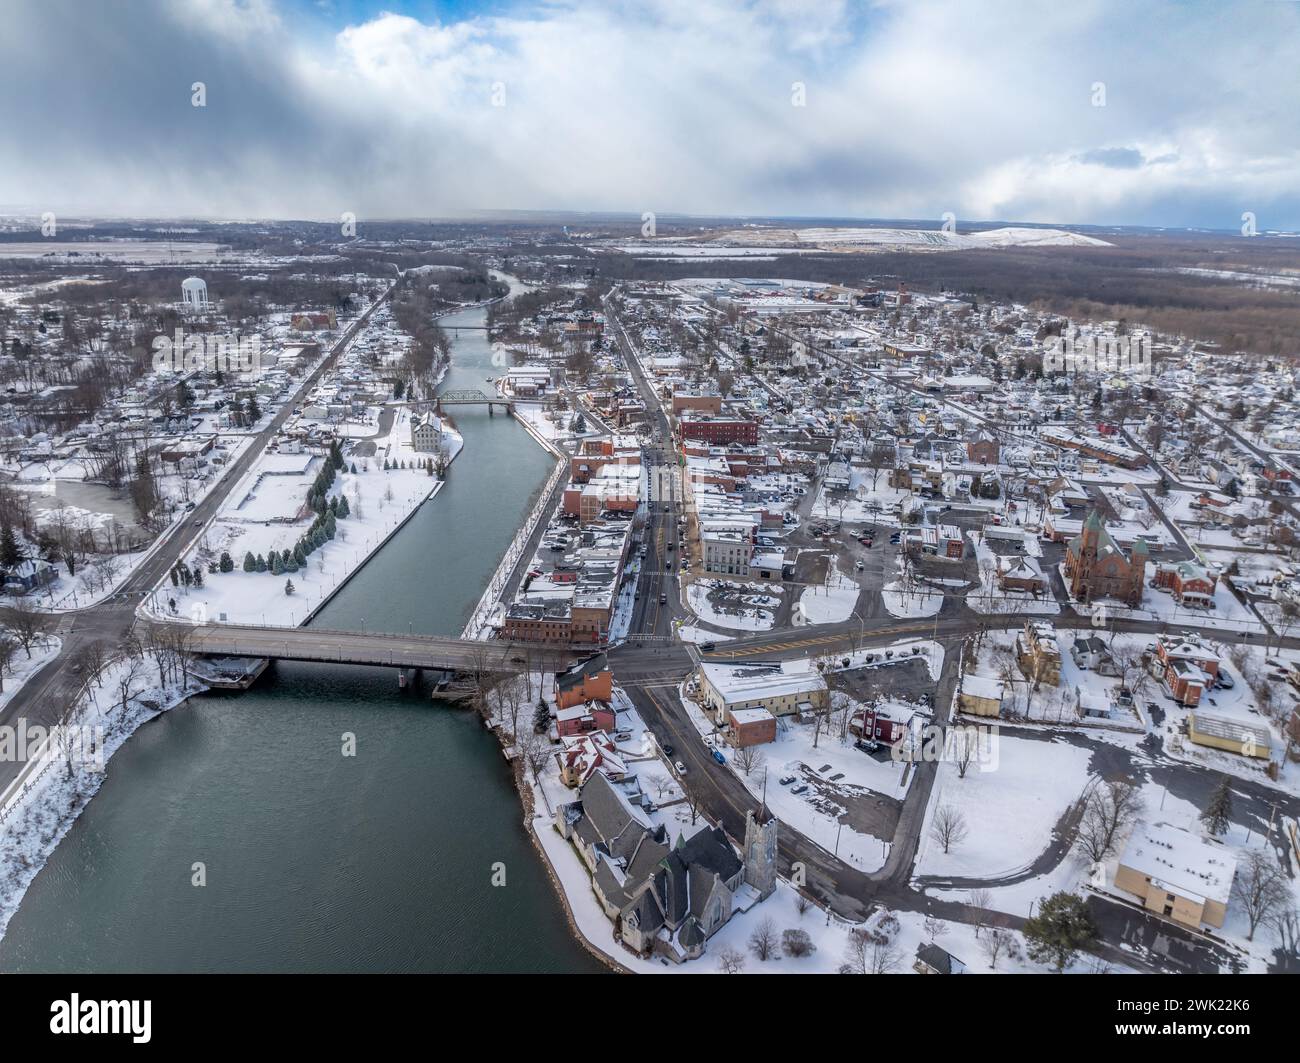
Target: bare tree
(949, 827)
(999, 942)
(8, 647)
(749, 758)
(731, 961)
(27, 623)
(935, 928)
(1110, 808)
(1286, 925)
(965, 742)
(762, 942)
(980, 899)
(1261, 887)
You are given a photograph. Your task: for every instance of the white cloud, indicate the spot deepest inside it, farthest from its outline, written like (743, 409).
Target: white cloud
(677, 105)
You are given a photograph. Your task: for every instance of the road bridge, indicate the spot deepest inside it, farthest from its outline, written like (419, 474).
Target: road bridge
(432, 652)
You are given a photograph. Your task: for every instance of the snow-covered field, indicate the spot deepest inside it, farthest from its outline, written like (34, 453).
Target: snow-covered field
(265, 512)
(829, 603)
(1010, 807)
(752, 608)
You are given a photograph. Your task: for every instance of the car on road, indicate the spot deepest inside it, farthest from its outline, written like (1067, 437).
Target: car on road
(198, 524)
(668, 750)
(786, 780)
(516, 660)
(663, 599)
(708, 647)
(681, 768)
(717, 755)
(859, 566)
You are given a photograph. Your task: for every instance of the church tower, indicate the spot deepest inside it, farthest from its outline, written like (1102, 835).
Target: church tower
(760, 851)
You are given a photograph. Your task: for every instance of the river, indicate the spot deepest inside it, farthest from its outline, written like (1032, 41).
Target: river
(315, 861)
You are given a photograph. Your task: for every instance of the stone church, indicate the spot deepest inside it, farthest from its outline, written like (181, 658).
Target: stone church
(1097, 567)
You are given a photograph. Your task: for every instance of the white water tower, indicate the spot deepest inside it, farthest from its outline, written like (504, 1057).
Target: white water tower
(194, 293)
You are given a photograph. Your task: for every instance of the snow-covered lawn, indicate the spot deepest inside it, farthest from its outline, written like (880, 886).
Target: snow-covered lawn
(263, 514)
(910, 601)
(1010, 805)
(829, 603)
(747, 607)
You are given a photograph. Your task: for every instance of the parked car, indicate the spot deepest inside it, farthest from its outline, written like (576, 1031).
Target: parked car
(681, 768)
(717, 755)
(1225, 679)
(802, 788)
(668, 750)
(869, 745)
(786, 780)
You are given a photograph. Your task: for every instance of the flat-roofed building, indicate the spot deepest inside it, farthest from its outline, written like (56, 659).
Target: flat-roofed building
(1177, 874)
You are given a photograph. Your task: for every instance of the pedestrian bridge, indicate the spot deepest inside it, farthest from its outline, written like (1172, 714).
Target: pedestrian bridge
(434, 652)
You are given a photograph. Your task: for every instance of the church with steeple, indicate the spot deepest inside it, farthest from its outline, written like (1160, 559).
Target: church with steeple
(1098, 567)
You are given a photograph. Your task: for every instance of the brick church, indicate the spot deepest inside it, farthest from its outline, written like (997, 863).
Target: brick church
(1097, 567)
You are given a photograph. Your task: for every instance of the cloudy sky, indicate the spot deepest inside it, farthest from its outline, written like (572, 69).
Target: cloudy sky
(986, 108)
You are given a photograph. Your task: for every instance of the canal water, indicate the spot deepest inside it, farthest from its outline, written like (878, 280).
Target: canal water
(314, 861)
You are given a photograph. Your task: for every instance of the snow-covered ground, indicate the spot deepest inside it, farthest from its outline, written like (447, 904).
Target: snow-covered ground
(266, 512)
(912, 601)
(35, 816)
(749, 608)
(828, 603)
(1010, 805)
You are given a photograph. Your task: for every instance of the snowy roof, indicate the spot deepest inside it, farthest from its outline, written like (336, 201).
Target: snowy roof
(1180, 862)
(982, 686)
(750, 682)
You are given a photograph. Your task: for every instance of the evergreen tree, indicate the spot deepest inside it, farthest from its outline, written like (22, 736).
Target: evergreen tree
(226, 564)
(176, 576)
(300, 553)
(250, 565)
(261, 563)
(1217, 816)
(329, 526)
(354, 468)
(11, 553)
(197, 575)
(288, 586)
(344, 508)
(277, 569)
(1060, 929)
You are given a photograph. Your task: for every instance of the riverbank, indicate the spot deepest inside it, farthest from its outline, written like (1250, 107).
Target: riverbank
(65, 775)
